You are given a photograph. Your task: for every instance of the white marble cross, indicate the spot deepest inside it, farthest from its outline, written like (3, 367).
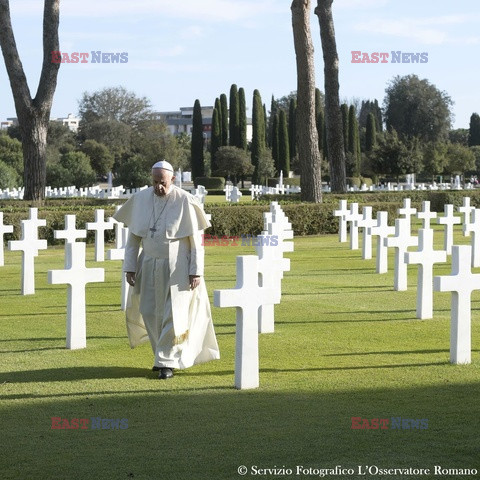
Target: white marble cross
(342, 227)
(474, 227)
(426, 215)
(228, 191)
(366, 223)
(247, 297)
(119, 254)
(353, 217)
(467, 210)
(401, 241)
(277, 230)
(3, 230)
(382, 230)
(449, 220)
(76, 275)
(271, 265)
(425, 257)
(29, 245)
(407, 211)
(100, 225)
(235, 195)
(461, 283)
(70, 234)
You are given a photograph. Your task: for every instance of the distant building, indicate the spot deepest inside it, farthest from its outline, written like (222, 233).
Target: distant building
(181, 121)
(71, 121)
(10, 122)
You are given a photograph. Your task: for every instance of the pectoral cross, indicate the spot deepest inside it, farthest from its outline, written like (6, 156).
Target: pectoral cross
(153, 230)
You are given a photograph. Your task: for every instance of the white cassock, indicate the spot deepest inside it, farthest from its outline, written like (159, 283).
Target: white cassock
(161, 307)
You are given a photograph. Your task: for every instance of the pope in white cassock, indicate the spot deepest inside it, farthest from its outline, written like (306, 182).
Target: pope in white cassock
(168, 302)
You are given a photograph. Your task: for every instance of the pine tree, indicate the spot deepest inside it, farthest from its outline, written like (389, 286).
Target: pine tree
(233, 117)
(258, 132)
(292, 127)
(474, 131)
(197, 160)
(283, 146)
(224, 119)
(216, 141)
(242, 120)
(371, 133)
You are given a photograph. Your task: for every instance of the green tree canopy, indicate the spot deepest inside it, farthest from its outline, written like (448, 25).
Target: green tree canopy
(460, 159)
(233, 162)
(73, 169)
(101, 159)
(11, 153)
(416, 108)
(9, 177)
(114, 104)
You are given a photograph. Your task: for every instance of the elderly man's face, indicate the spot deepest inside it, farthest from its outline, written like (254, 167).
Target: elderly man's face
(161, 181)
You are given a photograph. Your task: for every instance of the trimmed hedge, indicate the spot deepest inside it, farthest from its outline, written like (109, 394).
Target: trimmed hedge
(236, 219)
(214, 183)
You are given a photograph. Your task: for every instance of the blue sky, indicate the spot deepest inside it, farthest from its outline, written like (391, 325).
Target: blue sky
(181, 50)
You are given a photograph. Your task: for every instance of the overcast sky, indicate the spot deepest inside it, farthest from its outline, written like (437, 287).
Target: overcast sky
(181, 50)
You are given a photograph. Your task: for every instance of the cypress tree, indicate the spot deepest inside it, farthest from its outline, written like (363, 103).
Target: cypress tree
(273, 111)
(218, 107)
(474, 130)
(275, 142)
(292, 127)
(216, 141)
(258, 132)
(242, 120)
(320, 122)
(197, 160)
(224, 119)
(371, 133)
(233, 117)
(353, 138)
(378, 117)
(344, 110)
(283, 146)
(265, 124)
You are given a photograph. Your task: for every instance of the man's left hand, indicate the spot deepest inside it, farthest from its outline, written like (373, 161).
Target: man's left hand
(194, 281)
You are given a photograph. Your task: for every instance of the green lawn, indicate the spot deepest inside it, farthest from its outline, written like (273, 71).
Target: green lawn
(346, 345)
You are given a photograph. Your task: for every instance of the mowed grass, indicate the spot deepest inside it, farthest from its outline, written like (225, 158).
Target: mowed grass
(345, 345)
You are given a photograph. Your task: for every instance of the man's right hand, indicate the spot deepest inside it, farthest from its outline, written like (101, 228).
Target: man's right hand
(131, 278)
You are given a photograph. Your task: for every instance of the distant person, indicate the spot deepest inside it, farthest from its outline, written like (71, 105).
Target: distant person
(168, 303)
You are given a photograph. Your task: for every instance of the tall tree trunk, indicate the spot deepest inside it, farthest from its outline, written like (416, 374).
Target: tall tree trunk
(33, 114)
(307, 138)
(333, 116)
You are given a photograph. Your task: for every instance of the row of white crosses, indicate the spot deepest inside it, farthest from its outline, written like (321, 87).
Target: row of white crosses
(461, 282)
(257, 290)
(75, 274)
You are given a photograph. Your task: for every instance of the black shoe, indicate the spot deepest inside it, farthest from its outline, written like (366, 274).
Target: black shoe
(165, 373)
(155, 368)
